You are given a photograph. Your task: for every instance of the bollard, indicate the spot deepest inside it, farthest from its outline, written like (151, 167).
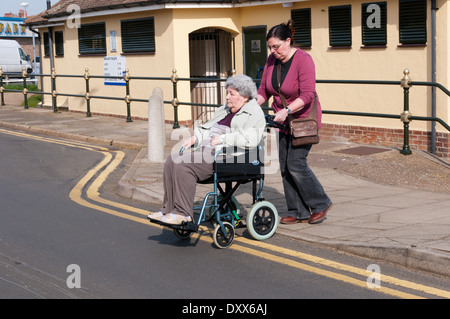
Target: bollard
(156, 131)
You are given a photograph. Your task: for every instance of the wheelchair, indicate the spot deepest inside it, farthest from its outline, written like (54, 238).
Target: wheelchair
(220, 207)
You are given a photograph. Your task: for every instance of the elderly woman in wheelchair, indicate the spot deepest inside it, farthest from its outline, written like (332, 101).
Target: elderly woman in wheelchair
(226, 149)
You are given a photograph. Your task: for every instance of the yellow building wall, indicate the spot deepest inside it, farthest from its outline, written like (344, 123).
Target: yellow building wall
(442, 57)
(360, 63)
(356, 63)
(186, 21)
(158, 64)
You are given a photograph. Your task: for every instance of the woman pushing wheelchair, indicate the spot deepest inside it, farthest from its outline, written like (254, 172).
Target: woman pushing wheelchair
(239, 123)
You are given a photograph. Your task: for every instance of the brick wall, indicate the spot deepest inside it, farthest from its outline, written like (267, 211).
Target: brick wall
(419, 140)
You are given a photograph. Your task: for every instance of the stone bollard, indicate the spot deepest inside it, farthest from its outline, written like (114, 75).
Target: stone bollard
(156, 130)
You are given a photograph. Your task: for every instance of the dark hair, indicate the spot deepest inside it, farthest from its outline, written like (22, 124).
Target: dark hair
(282, 31)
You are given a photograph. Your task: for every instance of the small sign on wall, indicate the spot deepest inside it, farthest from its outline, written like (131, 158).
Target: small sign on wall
(256, 46)
(113, 41)
(114, 66)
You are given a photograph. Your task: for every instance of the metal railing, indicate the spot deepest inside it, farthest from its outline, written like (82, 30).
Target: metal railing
(406, 117)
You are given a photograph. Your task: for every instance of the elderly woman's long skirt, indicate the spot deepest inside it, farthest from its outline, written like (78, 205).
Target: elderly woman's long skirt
(181, 174)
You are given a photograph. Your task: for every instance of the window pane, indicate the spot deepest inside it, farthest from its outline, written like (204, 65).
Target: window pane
(413, 21)
(92, 38)
(302, 27)
(374, 23)
(138, 35)
(340, 22)
(46, 44)
(59, 43)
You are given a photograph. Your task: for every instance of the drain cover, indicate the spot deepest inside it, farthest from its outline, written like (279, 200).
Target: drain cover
(362, 150)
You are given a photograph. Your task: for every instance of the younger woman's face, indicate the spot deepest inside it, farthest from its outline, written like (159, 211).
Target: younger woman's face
(280, 49)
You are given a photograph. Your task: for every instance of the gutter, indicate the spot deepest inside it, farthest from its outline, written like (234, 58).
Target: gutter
(54, 19)
(40, 57)
(433, 74)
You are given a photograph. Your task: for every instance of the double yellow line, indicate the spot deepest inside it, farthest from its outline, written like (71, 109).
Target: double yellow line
(111, 159)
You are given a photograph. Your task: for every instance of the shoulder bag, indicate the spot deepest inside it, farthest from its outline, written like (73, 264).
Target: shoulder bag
(303, 130)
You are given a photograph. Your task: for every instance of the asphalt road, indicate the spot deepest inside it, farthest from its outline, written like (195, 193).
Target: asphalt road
(65, 234)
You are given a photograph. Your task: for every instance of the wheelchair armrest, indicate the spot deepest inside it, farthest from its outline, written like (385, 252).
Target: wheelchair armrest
(226, 150)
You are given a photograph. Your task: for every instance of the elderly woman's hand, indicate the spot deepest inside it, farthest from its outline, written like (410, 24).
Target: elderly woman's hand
(189, 142)
(216, 140)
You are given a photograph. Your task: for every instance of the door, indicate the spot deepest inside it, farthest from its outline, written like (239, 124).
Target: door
(210, 58)
(255, 51)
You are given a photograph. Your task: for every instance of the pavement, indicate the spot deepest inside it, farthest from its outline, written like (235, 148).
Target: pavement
(407, 227)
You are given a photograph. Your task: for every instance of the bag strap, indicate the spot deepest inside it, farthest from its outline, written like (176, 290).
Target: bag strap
(312, 114)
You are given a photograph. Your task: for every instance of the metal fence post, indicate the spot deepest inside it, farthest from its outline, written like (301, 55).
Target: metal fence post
(175, 102)
(88, 95)
(54, 94)
(25, 90)
(128, 97)
(405, 116)
(1, 87)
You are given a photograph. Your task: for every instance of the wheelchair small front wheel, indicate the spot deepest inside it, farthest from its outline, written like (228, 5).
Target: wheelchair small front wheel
(262, 220)
(182, 234)
(222, 240)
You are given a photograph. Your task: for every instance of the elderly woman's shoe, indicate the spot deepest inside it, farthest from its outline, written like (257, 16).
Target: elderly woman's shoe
(157, 215)
(175, 219)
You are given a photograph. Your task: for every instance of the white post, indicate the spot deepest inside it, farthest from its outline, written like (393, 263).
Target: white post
(156, 130)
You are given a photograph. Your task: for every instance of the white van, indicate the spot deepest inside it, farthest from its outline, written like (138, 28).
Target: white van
(13, 58)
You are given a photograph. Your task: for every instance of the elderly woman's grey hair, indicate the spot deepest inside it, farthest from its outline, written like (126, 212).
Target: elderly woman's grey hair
(243, 84)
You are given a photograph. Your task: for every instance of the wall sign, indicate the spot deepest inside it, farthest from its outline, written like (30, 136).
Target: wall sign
(114, 66)
(13, 27)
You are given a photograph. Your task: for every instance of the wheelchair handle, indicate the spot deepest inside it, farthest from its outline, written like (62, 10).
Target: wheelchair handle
(271, 123)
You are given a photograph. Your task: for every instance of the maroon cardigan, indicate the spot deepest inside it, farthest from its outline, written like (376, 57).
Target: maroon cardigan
(300, 82)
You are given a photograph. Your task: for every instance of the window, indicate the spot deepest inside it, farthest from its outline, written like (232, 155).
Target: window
(22, 54)
(46, 44)
(92, 38)
(59, 43)
(138, 35)
(302, 27)
(340, 24)
(374, 19)
(413, 21)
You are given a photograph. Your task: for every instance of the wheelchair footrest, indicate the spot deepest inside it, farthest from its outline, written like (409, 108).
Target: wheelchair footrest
(187, 226)
(240, 224)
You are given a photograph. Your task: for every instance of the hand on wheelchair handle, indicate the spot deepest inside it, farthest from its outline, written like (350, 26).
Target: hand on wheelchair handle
(271, 123)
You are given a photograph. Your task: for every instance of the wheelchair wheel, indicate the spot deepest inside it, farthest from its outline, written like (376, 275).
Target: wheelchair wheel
(220, 240)
(262, 220)
(182, 234)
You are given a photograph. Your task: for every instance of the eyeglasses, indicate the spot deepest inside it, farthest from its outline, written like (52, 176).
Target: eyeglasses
(275, 47)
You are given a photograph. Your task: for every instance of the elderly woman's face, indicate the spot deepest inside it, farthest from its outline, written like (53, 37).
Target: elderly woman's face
(235, 100)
